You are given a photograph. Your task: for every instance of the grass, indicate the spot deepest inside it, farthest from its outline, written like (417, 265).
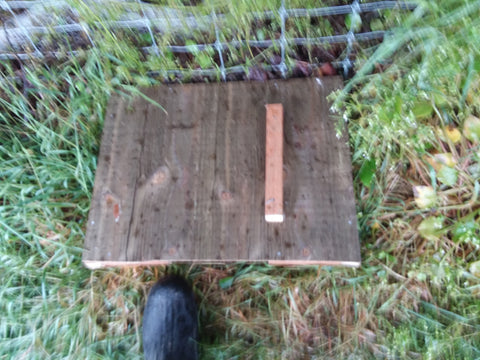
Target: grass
(416, 158)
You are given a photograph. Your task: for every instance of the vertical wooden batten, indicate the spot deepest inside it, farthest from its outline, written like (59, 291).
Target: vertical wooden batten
(274, 164)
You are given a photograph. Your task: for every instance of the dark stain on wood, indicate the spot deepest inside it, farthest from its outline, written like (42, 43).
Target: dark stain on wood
(188, 185)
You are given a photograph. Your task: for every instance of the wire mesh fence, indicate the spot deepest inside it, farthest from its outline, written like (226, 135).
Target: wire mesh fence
(201, 40)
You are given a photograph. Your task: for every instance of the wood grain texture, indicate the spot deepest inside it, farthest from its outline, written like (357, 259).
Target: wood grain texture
(274, 163)
(190, 184)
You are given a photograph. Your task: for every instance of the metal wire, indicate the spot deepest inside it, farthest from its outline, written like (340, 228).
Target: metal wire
(318, 12)
(218, 46)
(355, 16)
(160, 22)
(334, 39)
(342, 9)
(149, 27)
(5, 6)
(157, 24)
(86, 30)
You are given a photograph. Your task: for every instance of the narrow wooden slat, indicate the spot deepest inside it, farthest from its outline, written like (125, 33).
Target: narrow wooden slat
(274, 164)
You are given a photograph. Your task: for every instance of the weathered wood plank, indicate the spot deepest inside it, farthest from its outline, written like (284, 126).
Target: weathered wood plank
(191, 184)
(116, 176)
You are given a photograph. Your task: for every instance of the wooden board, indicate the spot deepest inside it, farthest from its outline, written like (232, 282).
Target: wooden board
(188, 184)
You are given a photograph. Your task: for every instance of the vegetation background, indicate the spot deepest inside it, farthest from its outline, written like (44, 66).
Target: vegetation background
(412, 113)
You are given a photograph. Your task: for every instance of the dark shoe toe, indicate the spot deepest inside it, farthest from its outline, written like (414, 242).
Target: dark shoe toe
(170, 321)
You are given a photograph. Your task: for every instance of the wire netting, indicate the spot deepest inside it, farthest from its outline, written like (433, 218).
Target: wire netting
(201, 40)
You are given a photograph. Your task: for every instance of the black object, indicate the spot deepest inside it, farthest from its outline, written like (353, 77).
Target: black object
(170, 321)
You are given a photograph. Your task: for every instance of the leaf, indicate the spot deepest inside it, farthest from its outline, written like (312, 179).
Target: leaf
(431, 227)
(474, 170)
(453, 134)
(420, 276)
(465, 231)
(425, 196)
(475, 268)
(204, 60)
(440, 99)
(398, 104)
(353, 22)
(437, 161)
(422, 110)
(303, 67)
(367, 172)
(445, 159)
(226, 283)
(256, 73)
(260, 35)
(471, 129)
(447, 175)
(376, 25)
(327, 70)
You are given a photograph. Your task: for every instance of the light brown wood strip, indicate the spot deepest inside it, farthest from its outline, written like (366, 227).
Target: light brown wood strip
(193, 181)
(274, 163)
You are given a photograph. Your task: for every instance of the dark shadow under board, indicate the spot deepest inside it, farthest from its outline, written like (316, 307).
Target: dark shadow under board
(187, 183)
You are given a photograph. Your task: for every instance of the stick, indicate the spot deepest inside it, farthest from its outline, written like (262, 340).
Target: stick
(274, 164)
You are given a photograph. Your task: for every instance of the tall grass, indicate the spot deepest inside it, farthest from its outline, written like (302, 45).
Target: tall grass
(416, 294)
(49, 125)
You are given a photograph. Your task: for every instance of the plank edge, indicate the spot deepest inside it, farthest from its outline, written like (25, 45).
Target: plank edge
(355, 264)
(95, 264)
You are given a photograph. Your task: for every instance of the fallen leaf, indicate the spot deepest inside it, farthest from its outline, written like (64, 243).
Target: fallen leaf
(474, 170)
(328, 70)
(447, 175)
(257, 74)
(471, 129)
(437, 161)
(453, 134)
(425, 196)
(431, 227)
(475, 268)
(303, 68)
